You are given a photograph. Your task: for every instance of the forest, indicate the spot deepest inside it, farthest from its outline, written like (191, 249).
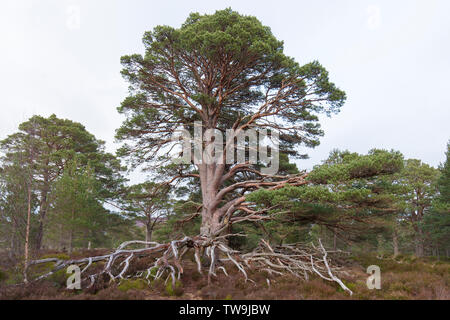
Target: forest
(219, 225)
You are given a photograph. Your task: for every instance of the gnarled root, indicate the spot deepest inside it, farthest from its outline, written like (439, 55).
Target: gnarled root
(294, 259)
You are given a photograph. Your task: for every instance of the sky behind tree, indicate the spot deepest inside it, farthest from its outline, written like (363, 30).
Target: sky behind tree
(391, 58)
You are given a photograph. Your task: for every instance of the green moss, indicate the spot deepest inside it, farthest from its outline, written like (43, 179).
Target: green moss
(12, 277)
(177, 291)
(128, 284)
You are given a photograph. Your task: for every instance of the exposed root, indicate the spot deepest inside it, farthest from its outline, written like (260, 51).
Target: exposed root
(295, 259)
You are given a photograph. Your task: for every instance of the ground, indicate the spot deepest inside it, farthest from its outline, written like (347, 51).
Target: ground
(404, 277)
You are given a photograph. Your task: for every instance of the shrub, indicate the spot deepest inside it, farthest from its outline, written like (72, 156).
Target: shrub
(59, 278)
(3, 275)
(153, 272)
(61, 256)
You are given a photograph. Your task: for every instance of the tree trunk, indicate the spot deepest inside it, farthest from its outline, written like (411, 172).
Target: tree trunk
(61, 237)
(70, 241)
(334, 240)
(12, 247)
(12, 251)
(40, 232)
(395, 243)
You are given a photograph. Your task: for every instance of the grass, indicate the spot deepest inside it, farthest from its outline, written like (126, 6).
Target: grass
(128, 284)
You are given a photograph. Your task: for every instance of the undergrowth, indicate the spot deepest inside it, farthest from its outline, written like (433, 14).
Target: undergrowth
(405, 277)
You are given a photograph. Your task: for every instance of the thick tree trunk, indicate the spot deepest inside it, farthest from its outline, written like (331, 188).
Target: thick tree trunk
(395, 243)
(211, 225)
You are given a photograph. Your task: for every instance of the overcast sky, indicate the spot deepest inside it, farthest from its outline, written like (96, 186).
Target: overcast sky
(391, 57)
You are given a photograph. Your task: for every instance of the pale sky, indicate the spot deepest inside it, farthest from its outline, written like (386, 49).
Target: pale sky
(391, 57)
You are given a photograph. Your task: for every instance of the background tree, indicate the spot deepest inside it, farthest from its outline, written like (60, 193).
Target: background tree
(437, 222)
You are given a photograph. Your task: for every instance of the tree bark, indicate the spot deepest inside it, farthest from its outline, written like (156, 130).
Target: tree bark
(148, 232)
